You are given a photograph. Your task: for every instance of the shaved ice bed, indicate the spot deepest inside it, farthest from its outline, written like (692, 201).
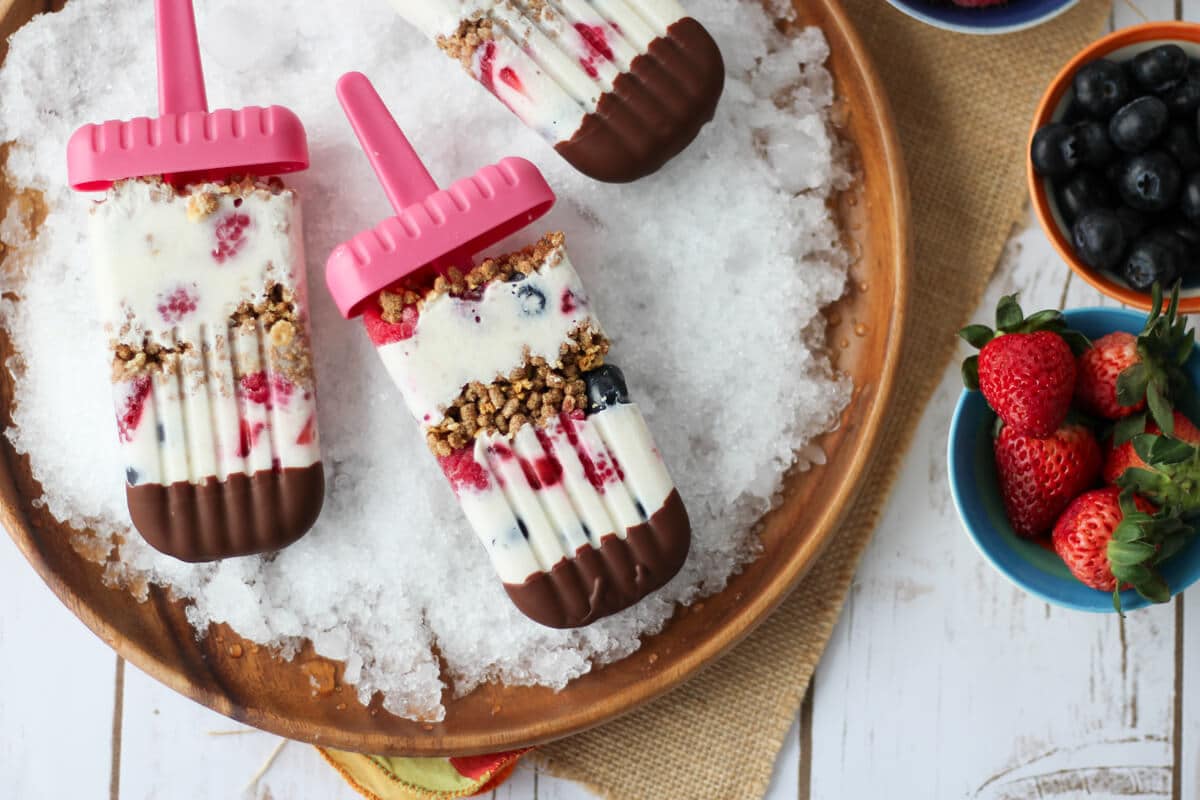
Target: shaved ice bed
(710, 276)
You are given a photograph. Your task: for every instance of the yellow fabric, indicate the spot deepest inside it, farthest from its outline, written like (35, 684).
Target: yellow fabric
(963, 106)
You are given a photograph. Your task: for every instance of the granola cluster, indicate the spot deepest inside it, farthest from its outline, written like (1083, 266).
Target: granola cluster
(202, 204)
(461, 45)
(547, 250)
(275, 312)
(533, 393)
(130, 361)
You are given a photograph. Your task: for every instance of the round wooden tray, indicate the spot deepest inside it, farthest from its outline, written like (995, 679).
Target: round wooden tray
(265, 691)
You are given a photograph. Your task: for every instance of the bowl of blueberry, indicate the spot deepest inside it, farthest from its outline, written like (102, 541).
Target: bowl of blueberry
(1114, 162)
(983, 16)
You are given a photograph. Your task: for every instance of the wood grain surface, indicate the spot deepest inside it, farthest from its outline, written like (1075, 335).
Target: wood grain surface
(251, 685)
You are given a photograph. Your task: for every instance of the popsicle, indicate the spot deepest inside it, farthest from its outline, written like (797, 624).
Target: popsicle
(201, 284)
(504, 365)
(619, 87)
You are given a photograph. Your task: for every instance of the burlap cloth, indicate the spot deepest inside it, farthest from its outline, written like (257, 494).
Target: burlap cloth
(962, 105)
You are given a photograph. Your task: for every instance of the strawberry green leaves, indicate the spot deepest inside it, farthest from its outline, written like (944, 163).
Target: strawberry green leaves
(1163, 346)
(1138, 545)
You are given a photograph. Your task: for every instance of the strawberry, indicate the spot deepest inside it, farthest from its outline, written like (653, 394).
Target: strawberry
(1110, 537)
(1097, 371)
(1026, 368)
(1039, 477)
(1121, 374)
(1123, 456)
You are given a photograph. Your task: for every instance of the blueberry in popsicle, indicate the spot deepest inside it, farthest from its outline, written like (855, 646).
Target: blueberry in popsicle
(199, 258)
(619, 87)
(506, 368)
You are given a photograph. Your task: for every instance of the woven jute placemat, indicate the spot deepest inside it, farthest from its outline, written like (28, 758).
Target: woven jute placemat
(962, 105)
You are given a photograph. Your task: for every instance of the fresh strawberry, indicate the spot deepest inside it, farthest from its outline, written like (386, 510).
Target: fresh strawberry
(1026, 368)
(1039, 477)
(1097, 372)
(1122, 373)
(1169, 472)
(1123, 456)
(1107, 537)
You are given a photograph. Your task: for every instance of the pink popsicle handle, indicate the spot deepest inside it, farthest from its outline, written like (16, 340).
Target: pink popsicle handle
(180, 76)
(397, 165)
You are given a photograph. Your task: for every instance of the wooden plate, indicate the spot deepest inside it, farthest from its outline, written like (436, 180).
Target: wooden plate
(248, 683)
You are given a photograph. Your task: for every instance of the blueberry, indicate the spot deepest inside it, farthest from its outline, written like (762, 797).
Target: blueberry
(1136, 126)
(1133, 222)
(1099, 238)
(1102, 87)
(1189, 234)
(516, 277)
(1189, 198)
(161, 432)
(1160, 67)
(531, 299)
(1055, 150)
(1093, 148)
(521, 526)
(1153, 257)
(131, 476)
(1183, 99)
(1181, 142)
(1083, 192)
(1150, 182)
(605, 388)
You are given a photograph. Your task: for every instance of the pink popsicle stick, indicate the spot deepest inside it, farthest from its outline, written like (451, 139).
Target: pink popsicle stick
(180, 76)
(394, 160)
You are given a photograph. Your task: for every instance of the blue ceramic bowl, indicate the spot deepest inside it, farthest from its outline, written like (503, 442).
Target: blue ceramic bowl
(1035, 568)
(1015, 15)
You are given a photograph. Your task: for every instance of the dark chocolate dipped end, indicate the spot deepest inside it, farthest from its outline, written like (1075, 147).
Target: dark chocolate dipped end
(603, 580)
(654, 110)
(242, 515)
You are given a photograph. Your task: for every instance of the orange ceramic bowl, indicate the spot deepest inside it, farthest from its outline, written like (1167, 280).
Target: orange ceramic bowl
(1119, 46)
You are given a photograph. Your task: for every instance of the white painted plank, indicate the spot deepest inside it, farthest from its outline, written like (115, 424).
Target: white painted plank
(783, 784)
(1188, 705)
(56, 692)
(173, 747)
(1134, 12)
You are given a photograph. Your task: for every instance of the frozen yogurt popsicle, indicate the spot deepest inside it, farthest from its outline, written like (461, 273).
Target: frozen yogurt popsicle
(201, 286)
(619, 87)
(505, 367)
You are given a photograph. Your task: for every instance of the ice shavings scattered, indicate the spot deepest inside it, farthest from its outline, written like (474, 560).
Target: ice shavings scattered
(708, 275)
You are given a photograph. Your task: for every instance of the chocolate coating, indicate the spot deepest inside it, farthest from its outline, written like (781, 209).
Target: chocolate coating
(653, 110)
(242, 515)
(604, 580)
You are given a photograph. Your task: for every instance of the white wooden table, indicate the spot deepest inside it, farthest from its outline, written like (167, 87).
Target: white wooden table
(942, 679)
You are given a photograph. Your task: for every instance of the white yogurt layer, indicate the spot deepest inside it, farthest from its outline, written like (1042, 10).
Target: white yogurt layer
(236, 403)
(550, 61)
(459, 340)
(538, 498)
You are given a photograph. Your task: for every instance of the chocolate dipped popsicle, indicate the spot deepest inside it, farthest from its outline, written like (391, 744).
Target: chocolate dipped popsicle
(618, 87)
(505, 367)
(201, 284)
